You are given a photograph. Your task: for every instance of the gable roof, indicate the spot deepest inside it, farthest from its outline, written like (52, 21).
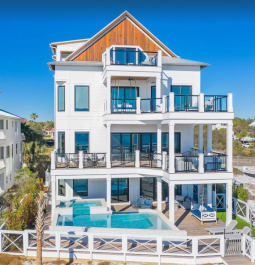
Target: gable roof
(114, 23)
(4, 113)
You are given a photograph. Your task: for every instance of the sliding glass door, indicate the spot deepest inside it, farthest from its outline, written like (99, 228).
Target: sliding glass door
(177, 142)
(181, 100)
(120, 190)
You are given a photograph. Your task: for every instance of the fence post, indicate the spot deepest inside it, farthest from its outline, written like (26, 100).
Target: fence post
(124, 246)
(247, 208)
(195, 248)
(58, 244)
(25, 242)
(222, 246)
(137, 158)
(91, 245)
(252, 250)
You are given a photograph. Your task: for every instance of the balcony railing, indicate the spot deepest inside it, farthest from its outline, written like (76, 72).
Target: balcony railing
(68, 160)
(131, 57)
(186, 163)
(215, 162)
(152, 160)
(186, 103)
(125, 159)
(124, 106)
(151, 105)
(94, 160)
(216, 103)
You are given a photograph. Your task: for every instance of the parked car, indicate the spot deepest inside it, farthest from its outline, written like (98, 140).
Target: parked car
(246, 145)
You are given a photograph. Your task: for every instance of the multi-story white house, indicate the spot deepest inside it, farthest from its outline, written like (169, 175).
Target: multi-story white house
(125, 111)
(10, 149)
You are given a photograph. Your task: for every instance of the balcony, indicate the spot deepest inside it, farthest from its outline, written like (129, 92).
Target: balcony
(188, 162)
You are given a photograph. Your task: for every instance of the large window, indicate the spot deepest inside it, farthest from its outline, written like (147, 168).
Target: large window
(61, 187)
(61, 142)
(61, 98)
(81, 142)
(6, 124)
(148, 188)
(120, 190)
(80, 187)
(1, 124)
(81, 98)
(177, 142)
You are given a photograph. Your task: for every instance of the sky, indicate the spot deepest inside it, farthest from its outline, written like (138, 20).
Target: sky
(221, 33)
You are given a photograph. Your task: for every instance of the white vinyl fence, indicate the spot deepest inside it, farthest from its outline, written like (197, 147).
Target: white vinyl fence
(242, 210)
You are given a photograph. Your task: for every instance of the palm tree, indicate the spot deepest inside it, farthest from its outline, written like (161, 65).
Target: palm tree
(33, 116)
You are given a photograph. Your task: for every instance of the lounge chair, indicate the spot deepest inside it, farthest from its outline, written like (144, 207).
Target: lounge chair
(220, 230)
(183, 201)
(136, 203)
(146, 204)
(204, 213)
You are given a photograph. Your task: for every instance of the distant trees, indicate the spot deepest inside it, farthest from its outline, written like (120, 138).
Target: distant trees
(33, 116)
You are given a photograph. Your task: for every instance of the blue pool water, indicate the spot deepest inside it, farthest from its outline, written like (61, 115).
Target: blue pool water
(116, 220)
(80, 207)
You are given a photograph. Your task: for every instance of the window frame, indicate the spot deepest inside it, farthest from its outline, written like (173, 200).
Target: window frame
(75, 142)
(7, 124)
(2, 122)
(64, 188)
(191, 89)
(8, 151)
(85, 191)
(64, 99)
(1, 152)
(81, 110)
(64, 141)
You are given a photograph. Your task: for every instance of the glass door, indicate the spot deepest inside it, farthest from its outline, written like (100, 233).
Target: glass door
(181, 99)
(119, 190)
(177, 142)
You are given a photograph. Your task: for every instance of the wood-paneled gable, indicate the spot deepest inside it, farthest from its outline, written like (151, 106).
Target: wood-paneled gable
(124, 33)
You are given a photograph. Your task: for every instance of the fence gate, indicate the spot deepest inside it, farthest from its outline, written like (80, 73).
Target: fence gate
(220, 201)
(233, 244)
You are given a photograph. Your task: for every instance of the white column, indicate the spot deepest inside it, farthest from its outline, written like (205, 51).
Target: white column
(53, 194)
(80, 159)
(229, 148)
(53, 160)
(209, 195)
(159, 138)
(171, 102)
(171, 149)
(108, 140)
(138, 105)
(228, 203)
(159, 194)
(164, 104)
(108, 95)
(158, 87)
(201, 102)
(171, 202)
(164, 165)
(230, 102)
(137, 158)
(159, 58)
(200, 138)
(209, 138)
(108, 191)
(201, 163)
(108, 61)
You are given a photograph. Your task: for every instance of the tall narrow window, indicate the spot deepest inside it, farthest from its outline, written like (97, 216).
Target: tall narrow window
(81, 142)
(16, 126)
(61, 98)
(1, 124)
(6, 124)
(2, 152)
(12, 150)
(61, 142)
(16, 149)
(7, 151)
(81, 98)
(61, 187)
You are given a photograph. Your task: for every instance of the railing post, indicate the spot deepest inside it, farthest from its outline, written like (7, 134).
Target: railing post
(137, 158)
(58, 244)
(252, 250)
(159, 246)
(164, 104)
(108, 62)
(53, 160)
(230, 102)
(124, 246)
(201, 102)
(138, 105)
(91, 245)
(171, 102)
(164, 166)
(160, 58)
(247, 208)
(201, 163)
(80, 159)
(195, 248)
(234, 208)
(222, 246)
(25, 242)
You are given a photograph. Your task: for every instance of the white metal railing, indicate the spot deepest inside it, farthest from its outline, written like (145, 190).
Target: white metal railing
(242, 210)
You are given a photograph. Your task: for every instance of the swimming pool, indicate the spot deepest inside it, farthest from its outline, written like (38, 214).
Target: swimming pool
(80, 207)
(114, 220)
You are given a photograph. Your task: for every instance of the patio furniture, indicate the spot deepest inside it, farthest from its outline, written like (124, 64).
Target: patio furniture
(204, 213)
(136, 203)
(146, 204)
(237, 234)
(220, 230)
(183, 201)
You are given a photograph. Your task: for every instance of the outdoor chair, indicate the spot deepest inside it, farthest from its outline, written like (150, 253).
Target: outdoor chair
(146, 204)
(136, 203)
(220, 230)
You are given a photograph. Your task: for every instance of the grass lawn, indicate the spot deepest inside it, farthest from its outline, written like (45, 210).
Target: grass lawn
(241, 223)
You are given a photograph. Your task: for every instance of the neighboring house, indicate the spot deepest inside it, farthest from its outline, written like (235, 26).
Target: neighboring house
(10, 148)
(125, 110)
(49, 132)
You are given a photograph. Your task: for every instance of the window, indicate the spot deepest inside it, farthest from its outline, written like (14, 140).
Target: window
(7, 151)
(80, 187)
(2, 152)
(61, 187)
(16, 149)
(177, 142)
(12, 150)
(6, 124)
(16, 126)
(1, 124)
(61, 98)
(61, 142)
(81, 98)
(21, 144)
(6, 179)
(181, 90)
(81, 142)
(10, 177)
(12, 124)
(120, 190)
